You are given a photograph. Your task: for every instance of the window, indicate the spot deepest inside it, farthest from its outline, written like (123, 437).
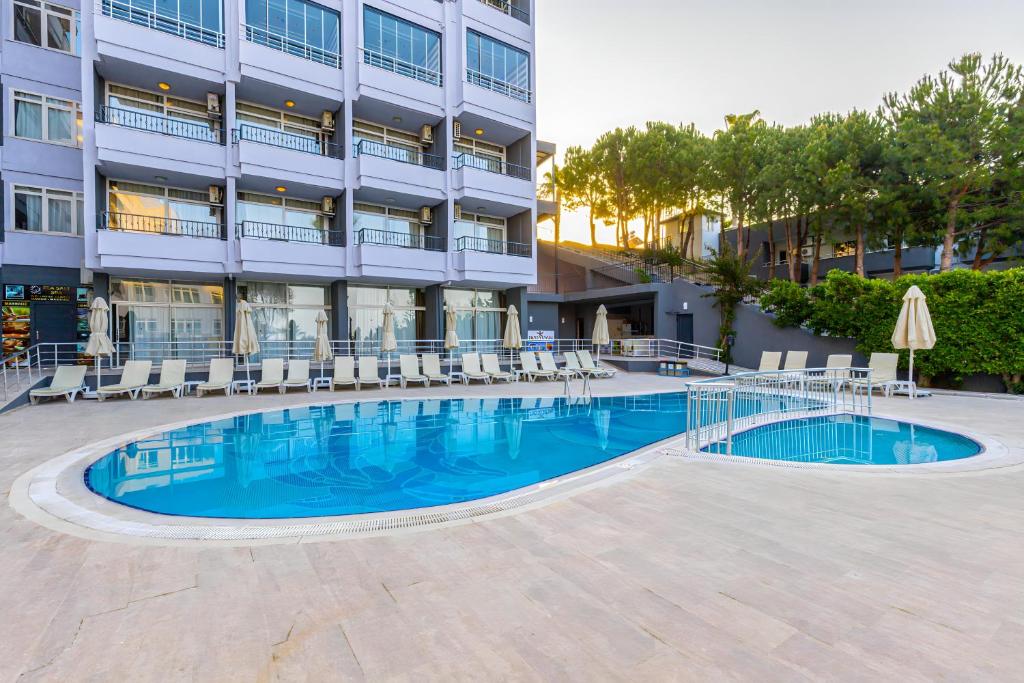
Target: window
(485, 155)
(269, 217)
(49, 119)
(482, 233)
(478, 313)
(387, 225)
(402, 146)
(496, 66)
(38, 209)
(401, 46)
(197, 20)
(159, 113)
(841, 249)
(282, 312)
(45, 25)
(302, 29)
(366, 313)
(137, 207)
(280, 128)
(154, 315)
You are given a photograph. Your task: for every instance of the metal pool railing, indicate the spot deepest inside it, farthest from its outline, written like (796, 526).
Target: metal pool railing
(718, 408)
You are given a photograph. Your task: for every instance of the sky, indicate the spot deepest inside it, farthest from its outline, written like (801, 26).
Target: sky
(608, 63)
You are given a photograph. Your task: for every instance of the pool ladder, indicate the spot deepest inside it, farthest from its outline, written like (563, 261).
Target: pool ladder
(585, 396)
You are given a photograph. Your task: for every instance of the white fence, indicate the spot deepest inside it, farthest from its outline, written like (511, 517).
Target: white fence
(717, 408)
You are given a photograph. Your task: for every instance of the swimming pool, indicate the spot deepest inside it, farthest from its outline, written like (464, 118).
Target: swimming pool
(376, 456)
(849, 440)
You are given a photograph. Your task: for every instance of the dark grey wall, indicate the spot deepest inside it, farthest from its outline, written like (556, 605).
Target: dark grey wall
(517, 297)
(433, 323)
(41, 275)
(339, 309)
(521, 152)
(230, 304)
(544, 314)
(440, 228)
(520, 228)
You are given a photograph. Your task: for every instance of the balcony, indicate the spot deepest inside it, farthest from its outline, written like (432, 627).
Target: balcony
(493, 181)
(501, 87)
(143, 16)
(293, 159)
(392, 80)
(260, 36)
(509, 8)
(402, 67)
(158, 225)
(400, 154)
(164, 125)
(157, 143)
(392, 169)
(405, 240)
(492, 166)
(494, 261)
(288, 233)
(127, 243)
(487, 246)
(283, 140)
(270, 249)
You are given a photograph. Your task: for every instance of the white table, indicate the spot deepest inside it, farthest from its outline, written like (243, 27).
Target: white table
(246, 385)
(322, 383)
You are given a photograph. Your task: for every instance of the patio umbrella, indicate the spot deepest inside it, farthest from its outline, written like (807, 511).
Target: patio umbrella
(914, 328)
(451, 337)
(322, 347)
(244, 342)
(513, 335)
(602, 424)
(600, 337)
(99, 343)
(388, 343)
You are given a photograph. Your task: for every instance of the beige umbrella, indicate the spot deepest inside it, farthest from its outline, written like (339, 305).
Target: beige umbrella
(99, 343)
(513, 335)
(600, 337)
(451, 337)
(914, 328)
(245, 342)
(388, 343)
(322, 347)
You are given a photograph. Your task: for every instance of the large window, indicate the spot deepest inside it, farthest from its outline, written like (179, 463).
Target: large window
(482, 233)
(160, 113)
(496, 66)
(390, 226)
(137, 207)
(478, 313)
(39, 209)
(401, 46)
(163, 318)
(483, 155)
(284, 313)
(47, 25)
(303, 29)
(268, 217)
(49, 119)
(198, 20)
(366, 314)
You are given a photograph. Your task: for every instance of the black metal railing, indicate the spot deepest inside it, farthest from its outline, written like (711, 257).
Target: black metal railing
(164, 125)
(158, 225)
(406, 240)
(257, 230)
(492, 246)
(499, 86)
(279, 138)
(510, 9)
(260, 36)
(402, 67)
(372, 148)
(145, 16)
(492, 166)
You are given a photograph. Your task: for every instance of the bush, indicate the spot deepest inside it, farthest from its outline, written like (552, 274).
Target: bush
(978, 317)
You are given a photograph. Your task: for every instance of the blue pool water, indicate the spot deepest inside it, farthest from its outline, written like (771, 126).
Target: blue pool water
(849, 440)
(376, 456)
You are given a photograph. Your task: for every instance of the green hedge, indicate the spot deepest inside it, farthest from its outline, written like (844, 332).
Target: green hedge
(978, 318)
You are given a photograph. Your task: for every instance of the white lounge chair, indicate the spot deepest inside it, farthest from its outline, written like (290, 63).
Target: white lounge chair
(172, 380)
(222, 374)
(133, 378)
(68, 381)
(368, 372)
(471, 369)
(528, 359)
(837, 371)
(298, 376)
(432, 369)
(795, 360)
(344, 372)
(770, 361)
(547, 362)
(493, 368)
(271, 374)
(409, 367)
(587, 361)
(883, 373)
(572, 364)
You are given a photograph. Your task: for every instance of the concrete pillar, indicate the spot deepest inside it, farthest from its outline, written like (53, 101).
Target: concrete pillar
(230, 303)
(101, 286)
(433, 324)
(339, 310)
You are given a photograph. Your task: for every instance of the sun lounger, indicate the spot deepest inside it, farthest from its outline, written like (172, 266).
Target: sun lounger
(298, 376)
(572, 364)
(344, 372)
(493, 368)
(795, 360)
(770, 361)
(222, 373)
(471, 369)
(528, 359)
(68, 381)
(271, 374)
(432, 369)
(587, 362)
(368, 372)
(409, 367)
(883, 373)
(133, 378)
(172, 380)
(547, 362)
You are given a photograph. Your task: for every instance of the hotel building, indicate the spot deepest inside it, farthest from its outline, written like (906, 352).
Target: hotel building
(341, 154)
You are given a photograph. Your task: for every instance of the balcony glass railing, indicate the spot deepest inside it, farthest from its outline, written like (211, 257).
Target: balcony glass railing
(501, 87)
(296, 48)
(158, 225)
(406, 240)
(164, 125)
(257, 230)
(279, 138)
(142, 14)
(491, 166)
(405, 155)
(402, 68)
(510, 9)
(492, 246)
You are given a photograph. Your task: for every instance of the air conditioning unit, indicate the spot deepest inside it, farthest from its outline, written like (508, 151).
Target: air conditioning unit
(327, 206)
(216, 194)
(327, 121)
(807, 252)
(426, 215)
(213, 105)
(458, 212)
(427, 134)
(456, 130)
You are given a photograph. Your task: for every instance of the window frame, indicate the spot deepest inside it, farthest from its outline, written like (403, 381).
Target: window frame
(286, 204)
(46, 9)
(45, 103)
(77, 217)
(509, 85)
(435, 75)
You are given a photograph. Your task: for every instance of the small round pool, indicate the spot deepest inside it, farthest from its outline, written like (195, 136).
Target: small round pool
(849, 440)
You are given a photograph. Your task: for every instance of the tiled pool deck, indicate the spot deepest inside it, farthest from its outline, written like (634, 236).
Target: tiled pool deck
(679, 570)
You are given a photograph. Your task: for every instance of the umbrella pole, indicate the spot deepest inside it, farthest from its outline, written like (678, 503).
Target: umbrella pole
(248, 379)
(910, 377)
(99, 373)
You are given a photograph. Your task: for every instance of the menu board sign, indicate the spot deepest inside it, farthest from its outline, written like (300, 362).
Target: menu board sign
(16, 324)
(58, 293)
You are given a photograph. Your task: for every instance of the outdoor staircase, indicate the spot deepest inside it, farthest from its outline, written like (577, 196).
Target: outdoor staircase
(636, 268)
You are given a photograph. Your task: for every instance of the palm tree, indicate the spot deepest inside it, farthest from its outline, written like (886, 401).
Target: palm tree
(733, 280)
